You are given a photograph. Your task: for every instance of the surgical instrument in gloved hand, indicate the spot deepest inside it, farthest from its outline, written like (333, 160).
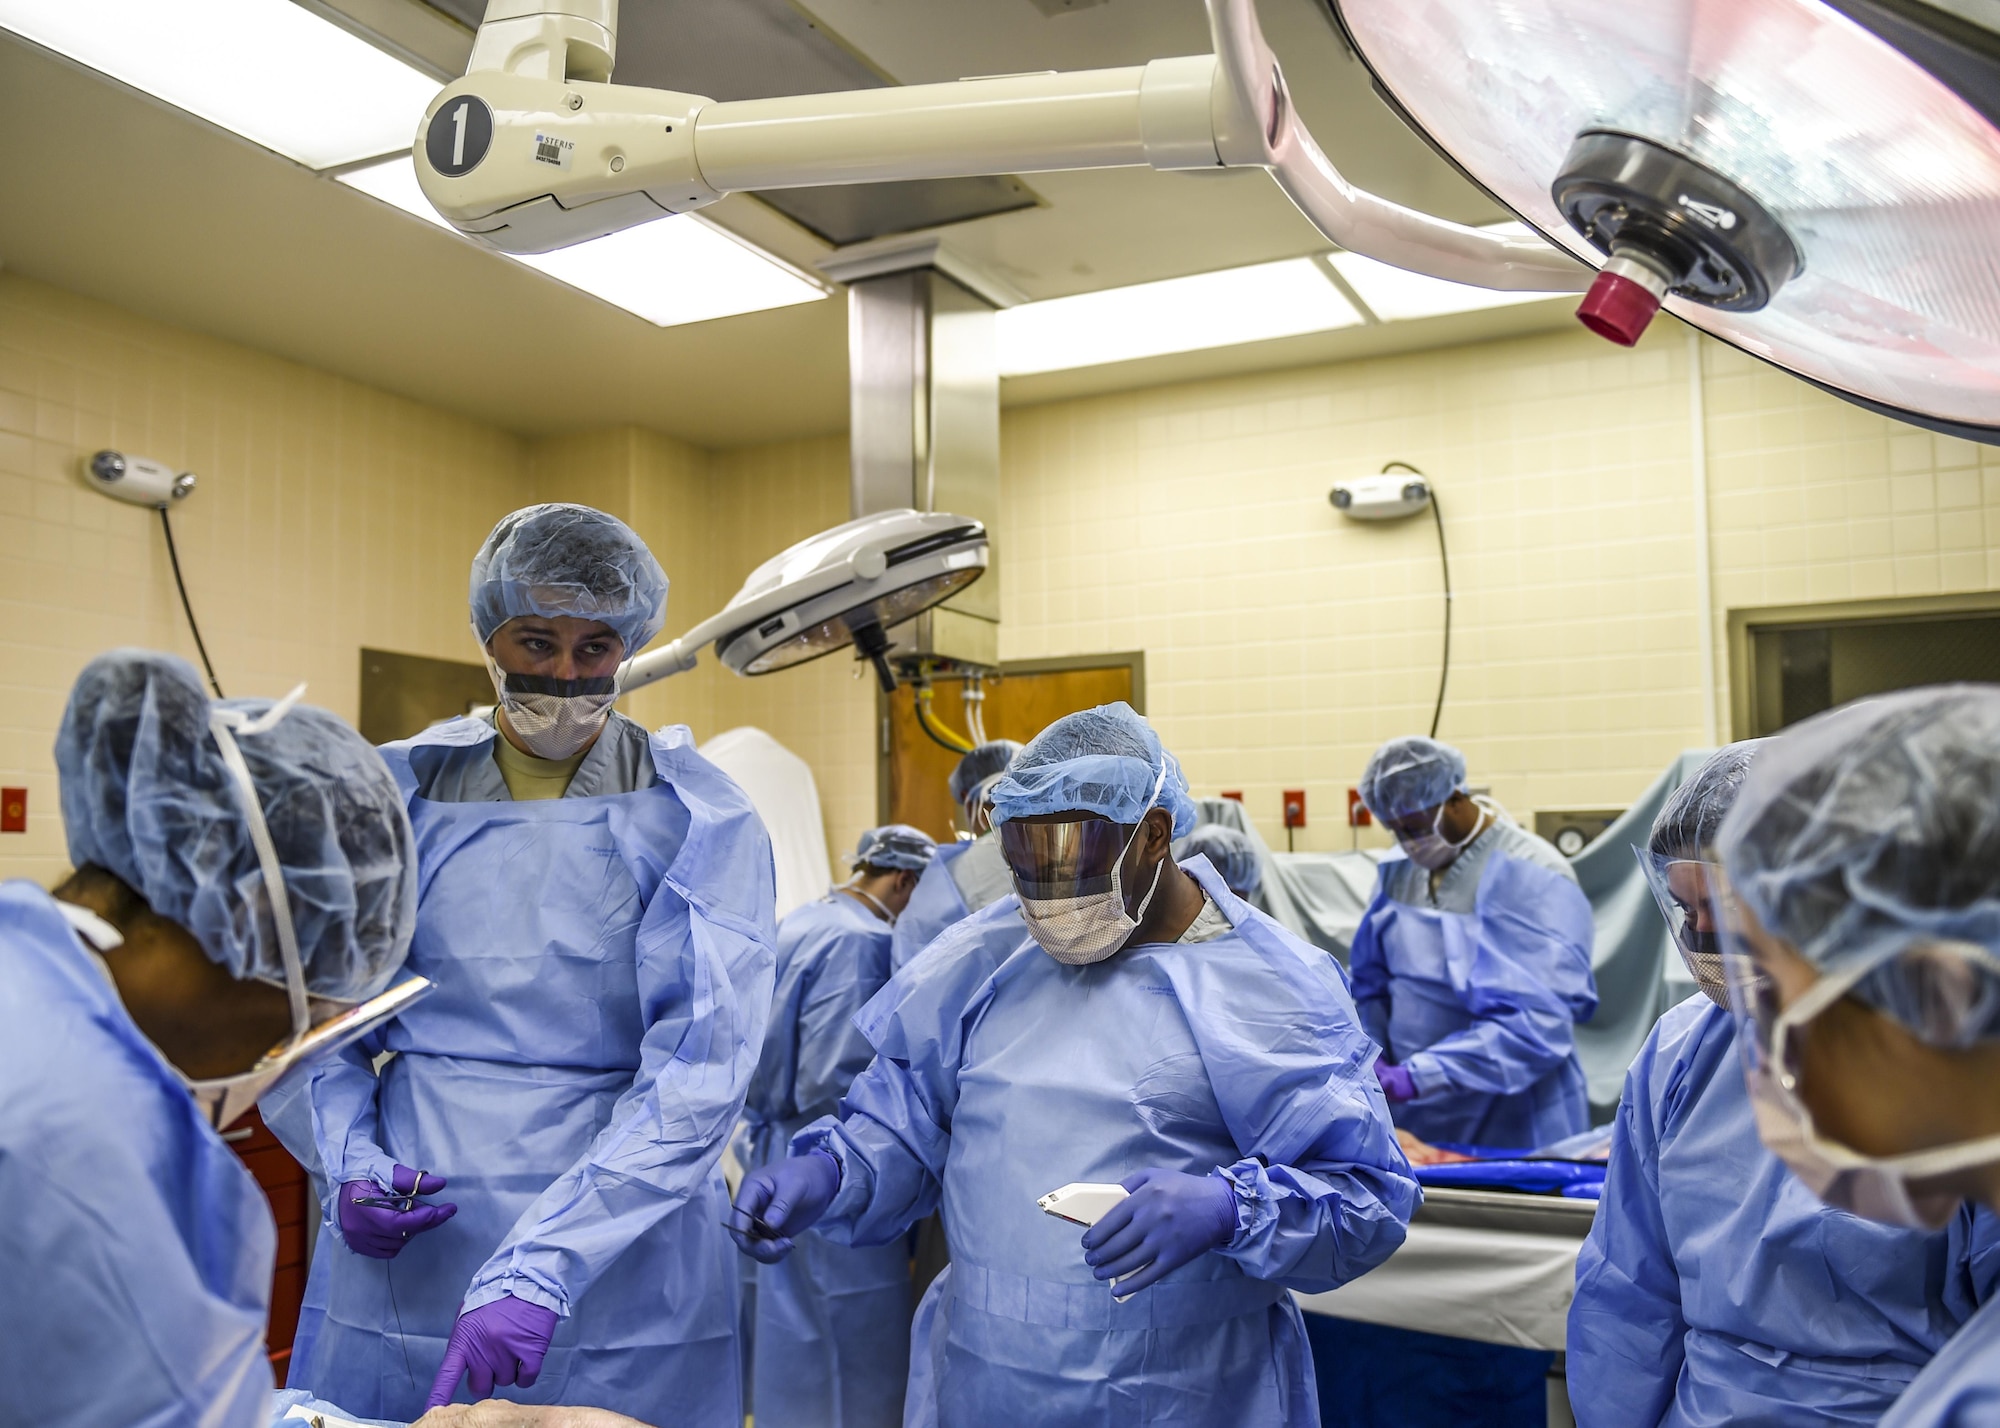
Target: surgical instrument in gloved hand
(503, 1343)
(1167, 1220)
(780, 1201)
(1081, 1202)
(378, 1225)
(1397, 1082)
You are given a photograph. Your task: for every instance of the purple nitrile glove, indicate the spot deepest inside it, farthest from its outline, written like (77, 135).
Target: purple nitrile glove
(502, 1342)
(1169, 1219)
(1397, 1082)
(781, 1200)
(374, 1226)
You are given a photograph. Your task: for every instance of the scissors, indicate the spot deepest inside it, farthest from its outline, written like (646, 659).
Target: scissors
(403, 1203)
(760, 1229)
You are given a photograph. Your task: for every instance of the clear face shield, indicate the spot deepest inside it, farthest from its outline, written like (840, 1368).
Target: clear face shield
(1775, 995)
(1681, 889)
(975, 814)
(320, 1027)
(1069, 877)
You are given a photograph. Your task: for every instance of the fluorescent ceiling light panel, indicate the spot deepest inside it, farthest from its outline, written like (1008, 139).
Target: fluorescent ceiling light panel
(670, 271)
(266, 69)
(1219, 309)
(1395, 294)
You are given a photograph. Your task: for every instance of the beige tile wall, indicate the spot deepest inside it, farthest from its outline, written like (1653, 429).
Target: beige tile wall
(1283, 642)
(329, 516)
(1818, 500)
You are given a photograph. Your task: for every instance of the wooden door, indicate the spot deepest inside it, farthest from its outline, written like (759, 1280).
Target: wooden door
(1019, 704)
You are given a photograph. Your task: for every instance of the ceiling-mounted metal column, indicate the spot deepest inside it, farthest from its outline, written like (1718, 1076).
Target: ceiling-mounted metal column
(924, 386)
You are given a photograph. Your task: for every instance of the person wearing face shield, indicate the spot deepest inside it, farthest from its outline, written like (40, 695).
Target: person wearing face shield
(1861, 936)
(832, 1343)
(243, 896)
(1471, 966)
(597, 912)
(966, 875)
(1146, 1029)
(1715, 1287)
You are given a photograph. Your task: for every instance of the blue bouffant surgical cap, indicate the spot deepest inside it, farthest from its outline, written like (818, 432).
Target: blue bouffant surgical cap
(1411, 774)
(1873, 831)
(987, 761)
(1693, 813)
(1232, 853)
(569, 560)
(1105, 761)
(147, 797)
(895, 845)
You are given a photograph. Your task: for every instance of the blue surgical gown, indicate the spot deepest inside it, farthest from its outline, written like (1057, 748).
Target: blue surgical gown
(935, 904)
(961, 879)
(1478, 991)
(1960, 1388)
(1000, 1074)
(1715, 1288)
(135, 1248)
(832, 1345)
(603, 970)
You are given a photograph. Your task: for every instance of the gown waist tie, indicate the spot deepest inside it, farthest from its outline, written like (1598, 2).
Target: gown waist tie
(1059, 1305)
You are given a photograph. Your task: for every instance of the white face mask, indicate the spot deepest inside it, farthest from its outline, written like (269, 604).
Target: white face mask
(553, 718)
(1077, 931)
(1433, 851)
(1877, 1187)
(1089, 927)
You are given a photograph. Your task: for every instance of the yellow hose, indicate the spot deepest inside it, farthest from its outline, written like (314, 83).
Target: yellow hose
(934, 727)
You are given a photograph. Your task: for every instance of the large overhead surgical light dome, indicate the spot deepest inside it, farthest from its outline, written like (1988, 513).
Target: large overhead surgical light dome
(1776, 171)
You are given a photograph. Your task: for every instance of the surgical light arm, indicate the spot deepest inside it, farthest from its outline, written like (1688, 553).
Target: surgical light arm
(534, 149)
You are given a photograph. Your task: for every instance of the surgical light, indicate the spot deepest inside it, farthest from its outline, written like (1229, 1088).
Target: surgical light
(847, 586)
(669, 271)
(1217, 309)
(1775, 172)
(269, 70)
(1772, 171)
